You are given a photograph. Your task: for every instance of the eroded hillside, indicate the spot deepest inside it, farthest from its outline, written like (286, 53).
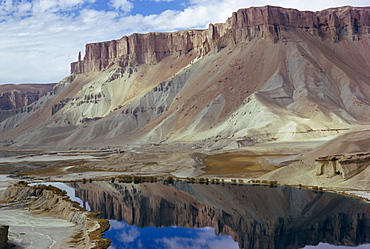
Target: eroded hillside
(266, 74)
(14, 97)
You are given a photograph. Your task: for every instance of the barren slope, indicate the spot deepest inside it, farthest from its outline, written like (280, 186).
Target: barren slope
(266, 74)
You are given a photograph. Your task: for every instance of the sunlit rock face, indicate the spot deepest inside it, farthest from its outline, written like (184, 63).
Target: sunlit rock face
(244, 25)
(14, 97)
(345, 165)
(255, 216)
(267, 73)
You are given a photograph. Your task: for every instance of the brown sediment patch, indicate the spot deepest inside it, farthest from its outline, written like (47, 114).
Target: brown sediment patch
(237, 164)
(64, 168)
(52, 168)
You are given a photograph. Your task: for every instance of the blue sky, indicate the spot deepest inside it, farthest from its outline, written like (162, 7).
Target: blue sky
(40, 38)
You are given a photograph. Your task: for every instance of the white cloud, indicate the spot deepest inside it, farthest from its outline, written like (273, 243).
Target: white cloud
(116, 225)
(205, 238)
(123, 5)
(39, 39)
(124, 233)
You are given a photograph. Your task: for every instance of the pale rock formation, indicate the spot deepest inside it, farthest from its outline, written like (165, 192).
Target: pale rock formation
(52, 201)
(345, 165)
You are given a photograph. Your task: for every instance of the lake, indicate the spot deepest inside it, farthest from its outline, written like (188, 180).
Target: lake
(182, 215)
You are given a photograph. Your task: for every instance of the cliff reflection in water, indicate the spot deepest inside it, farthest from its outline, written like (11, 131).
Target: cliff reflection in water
(255, 216)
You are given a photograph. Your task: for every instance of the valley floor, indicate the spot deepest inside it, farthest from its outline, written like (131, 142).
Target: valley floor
(281, 162)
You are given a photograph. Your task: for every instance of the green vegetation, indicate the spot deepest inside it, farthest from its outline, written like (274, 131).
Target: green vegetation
(203, 180)
(169, 180)
(191, 180)
(317, 189)
(135, 179)
(215, 181)
(126, 179)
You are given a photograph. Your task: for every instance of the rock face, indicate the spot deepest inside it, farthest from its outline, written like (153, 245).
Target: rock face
(3, 236)
(244, 25)
(266, 74)
(14, 97)
(52, 200)
(17, 96)
(345, 165)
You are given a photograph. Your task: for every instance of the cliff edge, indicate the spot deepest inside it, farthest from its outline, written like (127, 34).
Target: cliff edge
(244, 25)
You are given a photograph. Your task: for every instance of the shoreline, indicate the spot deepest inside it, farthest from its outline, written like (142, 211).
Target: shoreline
(72, 166)
(51, 204)
(84, 232)
(348, 192)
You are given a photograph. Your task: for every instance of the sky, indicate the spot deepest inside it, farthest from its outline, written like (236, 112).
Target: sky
(40, 38)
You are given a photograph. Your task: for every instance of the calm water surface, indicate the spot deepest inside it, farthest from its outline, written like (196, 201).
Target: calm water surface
(156, 215)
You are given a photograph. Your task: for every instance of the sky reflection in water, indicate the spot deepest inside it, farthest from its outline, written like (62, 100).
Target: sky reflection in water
(126, 236)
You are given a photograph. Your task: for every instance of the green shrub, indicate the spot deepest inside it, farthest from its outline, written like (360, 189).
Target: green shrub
(169, 180)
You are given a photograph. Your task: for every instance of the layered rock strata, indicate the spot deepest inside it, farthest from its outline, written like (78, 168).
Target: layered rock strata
(244, 25)
(266, 74)
(14, 99)
(345, 165)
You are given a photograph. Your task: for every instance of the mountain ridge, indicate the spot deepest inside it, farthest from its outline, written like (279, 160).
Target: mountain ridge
(264, 22)
(237, 81)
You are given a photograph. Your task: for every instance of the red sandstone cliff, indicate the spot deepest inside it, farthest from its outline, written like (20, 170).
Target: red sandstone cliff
(245, 24)
(17, 96)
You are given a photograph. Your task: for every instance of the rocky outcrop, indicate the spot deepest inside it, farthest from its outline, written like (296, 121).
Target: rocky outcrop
(55, 202)
(15, 98)
(244, 25)
(18, 96)
(139, 49)
(3, 236)
(345, 165)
